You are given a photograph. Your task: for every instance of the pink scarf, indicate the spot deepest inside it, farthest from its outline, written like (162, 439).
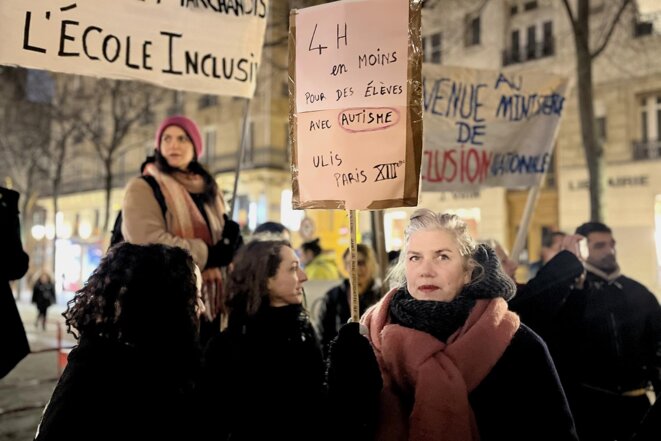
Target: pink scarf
(426, 382)
(187, 221)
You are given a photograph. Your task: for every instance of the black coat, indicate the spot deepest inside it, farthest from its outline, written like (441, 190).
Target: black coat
(336, 311)
(112, 391)
(43, 295)
(605, 340)
(521, 398)
(13, 265)
(263, 378)
(522, 395)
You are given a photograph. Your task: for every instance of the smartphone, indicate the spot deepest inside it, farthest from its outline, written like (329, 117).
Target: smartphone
(583, 248)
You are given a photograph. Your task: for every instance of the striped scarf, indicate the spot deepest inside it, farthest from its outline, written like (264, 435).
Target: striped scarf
(186, 220)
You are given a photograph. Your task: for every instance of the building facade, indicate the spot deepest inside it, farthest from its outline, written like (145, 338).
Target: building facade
(536, 36)
(511, 35)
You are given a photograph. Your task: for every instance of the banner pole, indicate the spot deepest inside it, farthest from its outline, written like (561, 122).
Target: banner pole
(531, 203)
(239, 157)
(353, 277)
(380, 246)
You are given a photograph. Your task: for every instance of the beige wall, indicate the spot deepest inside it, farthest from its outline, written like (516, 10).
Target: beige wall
(629, 211)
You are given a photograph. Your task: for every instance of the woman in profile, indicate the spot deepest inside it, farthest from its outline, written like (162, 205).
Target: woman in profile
(133, 372)
(263, 375)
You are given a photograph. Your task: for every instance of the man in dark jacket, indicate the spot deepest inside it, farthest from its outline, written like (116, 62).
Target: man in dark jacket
(604, 336)
(13, 265)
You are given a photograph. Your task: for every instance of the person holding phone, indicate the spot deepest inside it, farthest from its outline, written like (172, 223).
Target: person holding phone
(603, 330)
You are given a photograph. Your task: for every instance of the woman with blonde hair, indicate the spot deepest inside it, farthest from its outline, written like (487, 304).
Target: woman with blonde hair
(444, 358)
(335, 310)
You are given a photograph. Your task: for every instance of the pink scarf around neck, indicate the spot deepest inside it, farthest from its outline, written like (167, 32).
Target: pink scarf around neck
(427, 382)
(187, 221)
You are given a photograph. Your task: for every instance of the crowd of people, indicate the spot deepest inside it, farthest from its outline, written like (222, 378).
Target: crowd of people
(185, 331)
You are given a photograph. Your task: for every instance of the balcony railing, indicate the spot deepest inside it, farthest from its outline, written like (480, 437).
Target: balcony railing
(642, 150)
(528, 52)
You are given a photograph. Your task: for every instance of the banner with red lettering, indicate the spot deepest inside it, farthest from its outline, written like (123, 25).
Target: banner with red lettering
(488, 128)
(201, 46)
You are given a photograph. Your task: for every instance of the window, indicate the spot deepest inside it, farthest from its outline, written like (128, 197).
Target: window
(643, 128)
(248, 148)
(514, 9)
(658, 118)
(431, 48)
(516, 45)
(642, 28)
(472, 31)
(40, 86)
(529, 6)
(531, 48)
(207, 101)
(39, 216)
(650, 118)
(209, 144)
(548, 42)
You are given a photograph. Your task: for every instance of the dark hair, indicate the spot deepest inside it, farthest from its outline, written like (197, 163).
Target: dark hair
(593, 227)
(141, 295)
(549, 237)
(210, 185)
(254, 265)
(312, 245)
(270, 227)
(393, 255)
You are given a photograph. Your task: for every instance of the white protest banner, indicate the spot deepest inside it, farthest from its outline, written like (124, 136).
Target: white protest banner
(212, 47)
(487, 128)
(355, 110)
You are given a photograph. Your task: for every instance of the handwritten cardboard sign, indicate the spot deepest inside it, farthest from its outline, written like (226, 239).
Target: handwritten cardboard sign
(355, 104)
(487, 128)
(206, 47)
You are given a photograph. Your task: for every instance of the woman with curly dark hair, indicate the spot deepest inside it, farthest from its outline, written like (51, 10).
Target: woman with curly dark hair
(133, 372)
(263, 375)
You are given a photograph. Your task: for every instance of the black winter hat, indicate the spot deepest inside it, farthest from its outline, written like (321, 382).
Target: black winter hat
(488, 279)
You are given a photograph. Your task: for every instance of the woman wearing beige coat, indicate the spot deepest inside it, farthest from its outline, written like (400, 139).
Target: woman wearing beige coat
(194, 218)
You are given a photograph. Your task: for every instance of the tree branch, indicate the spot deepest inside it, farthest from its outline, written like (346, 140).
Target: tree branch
(610, 31)
(570, 15)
